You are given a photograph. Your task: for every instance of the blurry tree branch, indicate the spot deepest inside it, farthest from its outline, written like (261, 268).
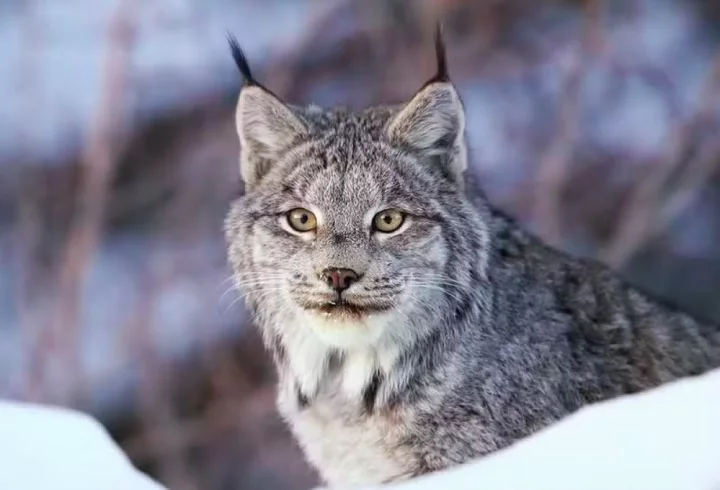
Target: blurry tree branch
(97, 161)
(284, 70)
(556, 161)
(641, 217)
(28, 233)
(155, 403)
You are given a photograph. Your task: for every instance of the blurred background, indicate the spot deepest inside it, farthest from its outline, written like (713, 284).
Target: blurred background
(596, 123)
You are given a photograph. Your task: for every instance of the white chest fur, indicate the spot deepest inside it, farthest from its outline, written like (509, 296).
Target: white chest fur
(347, 445)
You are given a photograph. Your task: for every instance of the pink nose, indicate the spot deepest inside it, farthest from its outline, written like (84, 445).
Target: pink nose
(339, 279)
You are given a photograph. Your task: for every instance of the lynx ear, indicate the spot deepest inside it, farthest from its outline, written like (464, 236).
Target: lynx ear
(266, 128)
(265, 125)
(433, 122)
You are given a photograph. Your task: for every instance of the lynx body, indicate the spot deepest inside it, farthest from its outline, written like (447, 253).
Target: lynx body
(413, 326)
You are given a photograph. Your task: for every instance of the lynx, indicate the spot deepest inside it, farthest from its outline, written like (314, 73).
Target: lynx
(413, 325)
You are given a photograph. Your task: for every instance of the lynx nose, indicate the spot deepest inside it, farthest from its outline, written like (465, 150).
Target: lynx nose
(339, 279)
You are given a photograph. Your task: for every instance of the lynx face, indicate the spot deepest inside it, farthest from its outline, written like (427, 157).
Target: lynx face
(350, 220)
(344, 240)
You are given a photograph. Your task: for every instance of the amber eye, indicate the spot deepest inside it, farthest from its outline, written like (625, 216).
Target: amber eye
(301, 220)
(389, 220)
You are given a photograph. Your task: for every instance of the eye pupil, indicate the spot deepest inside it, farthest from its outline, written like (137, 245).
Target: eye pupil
(301, 220)
(389, 221)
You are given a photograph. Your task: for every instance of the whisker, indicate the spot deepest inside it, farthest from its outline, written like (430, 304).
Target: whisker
(431, 307)
(243, 287)
(227, 291)
(257, 289)
(433, 275)
(259, 278)
(233, 303)
(440, 278)
(227, 279)
(437, 287)
(266, 280)
(253, 282)
(261, 295)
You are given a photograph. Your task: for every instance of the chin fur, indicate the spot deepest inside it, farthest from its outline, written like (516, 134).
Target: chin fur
(346, 329)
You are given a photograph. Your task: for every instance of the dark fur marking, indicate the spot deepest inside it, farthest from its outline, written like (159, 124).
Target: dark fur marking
(240, 60)
(243, 66)
(442, 73)
(302, 400)
(371, 391)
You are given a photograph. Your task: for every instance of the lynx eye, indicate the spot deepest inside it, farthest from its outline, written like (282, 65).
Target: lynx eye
(388, 221)
(301, 220)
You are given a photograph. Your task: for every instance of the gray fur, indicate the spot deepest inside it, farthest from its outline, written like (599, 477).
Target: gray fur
(490, 335)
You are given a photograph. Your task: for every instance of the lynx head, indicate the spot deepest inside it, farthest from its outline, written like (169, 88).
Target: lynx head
(354, 226)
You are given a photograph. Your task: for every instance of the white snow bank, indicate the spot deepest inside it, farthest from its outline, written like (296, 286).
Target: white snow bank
(664, 439)
(43, 448)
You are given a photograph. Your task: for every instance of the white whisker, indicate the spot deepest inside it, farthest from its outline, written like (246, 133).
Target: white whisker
(257, 295)
(435, 287)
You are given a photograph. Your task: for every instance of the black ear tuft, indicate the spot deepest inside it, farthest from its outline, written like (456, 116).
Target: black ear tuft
(441, 75)
(240, 60)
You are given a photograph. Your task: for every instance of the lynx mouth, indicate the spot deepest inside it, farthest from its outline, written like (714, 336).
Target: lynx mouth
(346, 310)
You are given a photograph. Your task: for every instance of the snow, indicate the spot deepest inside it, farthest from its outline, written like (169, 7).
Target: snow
(47, 448)
(663, 439)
